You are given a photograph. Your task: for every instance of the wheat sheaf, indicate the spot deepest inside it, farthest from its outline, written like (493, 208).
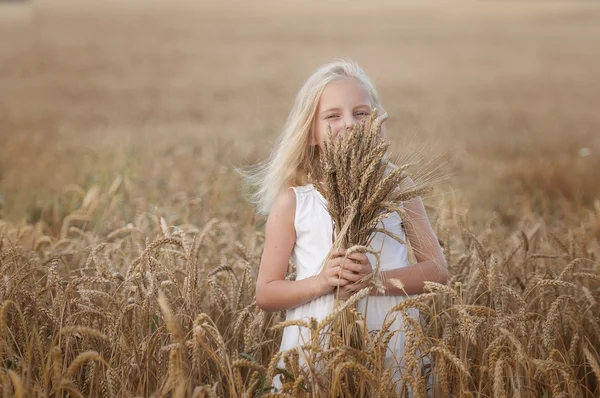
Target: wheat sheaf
(362, 188)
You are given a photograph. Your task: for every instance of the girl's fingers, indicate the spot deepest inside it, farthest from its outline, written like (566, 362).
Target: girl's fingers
(345, 264)
(356, 263)
(358, 270)
(337, 273)
(336, 262)
(367, 269)
(338, 253)
(338, 281)
(350, 276)
(341, 254)
(360, 257)
(357, 257)
(335, 270)
(351, 265)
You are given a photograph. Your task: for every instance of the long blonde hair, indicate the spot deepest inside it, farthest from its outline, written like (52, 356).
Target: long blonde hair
(291, 159)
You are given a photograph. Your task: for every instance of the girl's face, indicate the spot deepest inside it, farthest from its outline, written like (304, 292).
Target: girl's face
(343, 103)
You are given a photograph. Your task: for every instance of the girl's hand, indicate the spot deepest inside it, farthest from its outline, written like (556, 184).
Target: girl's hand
(332, 276)
(347, 271)
(354, 268)
(341, 271)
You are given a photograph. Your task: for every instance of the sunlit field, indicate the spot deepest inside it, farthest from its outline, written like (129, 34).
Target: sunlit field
(128, 252)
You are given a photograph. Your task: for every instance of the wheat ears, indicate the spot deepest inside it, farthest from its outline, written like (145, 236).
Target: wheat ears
(361, 186)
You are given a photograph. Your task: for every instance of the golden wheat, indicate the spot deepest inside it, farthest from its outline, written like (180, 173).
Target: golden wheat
(163, 304)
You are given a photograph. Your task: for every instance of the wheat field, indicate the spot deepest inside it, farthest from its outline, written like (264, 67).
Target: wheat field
(128, 253)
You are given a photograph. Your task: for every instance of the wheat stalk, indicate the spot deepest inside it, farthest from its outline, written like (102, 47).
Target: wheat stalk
(361, 189)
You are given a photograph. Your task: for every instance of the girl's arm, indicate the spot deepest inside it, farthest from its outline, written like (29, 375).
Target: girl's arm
(431, 264)
(273, 292)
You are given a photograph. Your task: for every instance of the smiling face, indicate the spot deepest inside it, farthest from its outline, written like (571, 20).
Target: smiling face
(343, 104)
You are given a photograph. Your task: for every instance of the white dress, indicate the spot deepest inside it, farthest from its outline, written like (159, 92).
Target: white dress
(313, 241)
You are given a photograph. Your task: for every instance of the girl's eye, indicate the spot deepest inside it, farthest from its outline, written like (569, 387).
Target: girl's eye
(331, 116)
(361, 114)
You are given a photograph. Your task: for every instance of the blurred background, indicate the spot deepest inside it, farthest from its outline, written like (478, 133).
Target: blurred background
(168, 97)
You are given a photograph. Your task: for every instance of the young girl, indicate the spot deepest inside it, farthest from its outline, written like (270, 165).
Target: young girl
(299, 227)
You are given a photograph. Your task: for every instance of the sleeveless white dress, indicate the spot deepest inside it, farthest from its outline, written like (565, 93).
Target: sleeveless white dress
(313, 226)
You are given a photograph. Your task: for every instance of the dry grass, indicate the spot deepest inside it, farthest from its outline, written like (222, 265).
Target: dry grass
(128, 255)
(163, 309)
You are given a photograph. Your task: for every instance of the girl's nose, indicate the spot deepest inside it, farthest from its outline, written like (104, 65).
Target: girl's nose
(343, 130)
(349, 122)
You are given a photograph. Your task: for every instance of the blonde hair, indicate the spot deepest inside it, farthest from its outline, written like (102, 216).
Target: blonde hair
(291, 159)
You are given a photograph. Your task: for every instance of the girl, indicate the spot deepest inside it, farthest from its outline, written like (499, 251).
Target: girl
(299, 226)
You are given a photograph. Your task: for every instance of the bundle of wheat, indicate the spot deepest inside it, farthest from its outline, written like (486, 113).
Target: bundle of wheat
(362, 188)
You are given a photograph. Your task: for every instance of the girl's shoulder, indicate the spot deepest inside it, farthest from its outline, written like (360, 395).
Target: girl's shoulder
(285, 200)
(284, 208)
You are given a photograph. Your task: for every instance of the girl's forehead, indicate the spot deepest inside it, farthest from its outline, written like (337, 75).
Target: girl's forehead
(344, 90)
